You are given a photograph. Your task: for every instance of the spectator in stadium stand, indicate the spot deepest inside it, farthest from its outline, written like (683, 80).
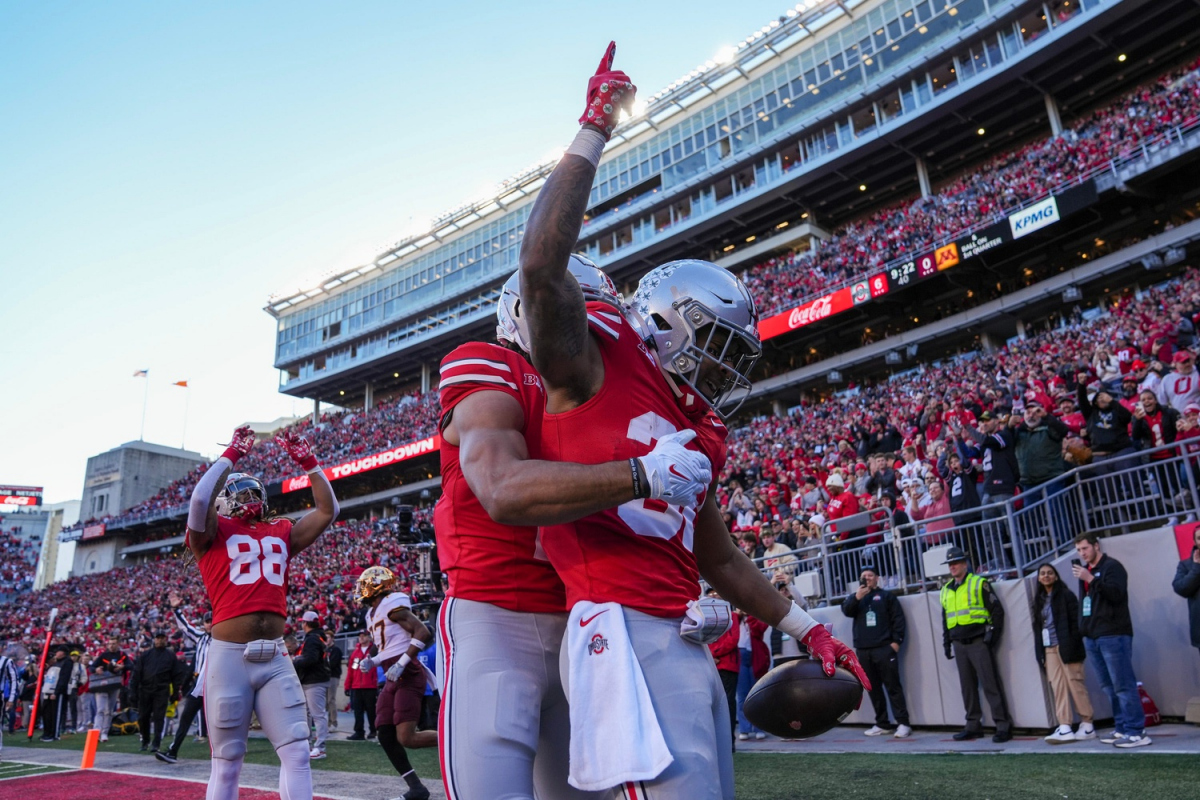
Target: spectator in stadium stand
(1070, 415)
(1187, 586)
(1039, 437)
(157, 676)
(972, 622)
(879, 628)
(1181, 388)
(962, 478)
(883, 475)
(754, 661)
(861, 478)
(812, 496)
(725, 654)
(1155, 425)
(939, 506)
(333, 657)
(1106, 423)
(777, 555)
(1107, 632)
(841, 504)
(1001, 471)
(1185, 330)
(750, 545)
(361, 686)
(1058, 646)
(314, 679)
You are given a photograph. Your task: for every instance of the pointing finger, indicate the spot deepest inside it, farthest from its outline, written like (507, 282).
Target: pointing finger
(607, 60)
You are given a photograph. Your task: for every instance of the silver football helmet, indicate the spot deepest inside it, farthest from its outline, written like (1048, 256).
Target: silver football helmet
(511, 324)
(242, 496)
(704, 325)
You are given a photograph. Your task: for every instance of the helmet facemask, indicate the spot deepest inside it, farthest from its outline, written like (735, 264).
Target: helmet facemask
(715, 358)
(244, 496)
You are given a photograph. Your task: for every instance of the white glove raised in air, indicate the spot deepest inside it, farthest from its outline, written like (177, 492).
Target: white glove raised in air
(675, 474)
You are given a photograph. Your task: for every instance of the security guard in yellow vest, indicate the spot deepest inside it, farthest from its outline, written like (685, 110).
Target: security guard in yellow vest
(972, 619)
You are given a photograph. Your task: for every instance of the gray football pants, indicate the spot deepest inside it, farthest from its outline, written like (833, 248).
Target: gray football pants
(504, 730)
(235, 687)
(692, 709)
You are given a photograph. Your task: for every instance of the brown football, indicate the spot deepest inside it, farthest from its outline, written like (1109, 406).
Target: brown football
(798, 700)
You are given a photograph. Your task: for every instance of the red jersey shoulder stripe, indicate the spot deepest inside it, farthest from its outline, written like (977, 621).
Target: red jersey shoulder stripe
(595, 319)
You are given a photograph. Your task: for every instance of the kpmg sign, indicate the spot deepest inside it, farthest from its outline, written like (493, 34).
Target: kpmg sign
(1034, 218)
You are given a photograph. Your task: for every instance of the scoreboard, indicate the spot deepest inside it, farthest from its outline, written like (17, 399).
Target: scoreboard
(20, 495)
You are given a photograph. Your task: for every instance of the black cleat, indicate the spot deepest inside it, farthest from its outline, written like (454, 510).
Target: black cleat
(167, 757)
(416, 793)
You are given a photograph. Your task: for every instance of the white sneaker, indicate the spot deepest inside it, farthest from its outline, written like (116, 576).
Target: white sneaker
(903, 732)
(1114, 737)
(104, 737)
(1086, 731)
(315, 754)
(1134, 741)
(875, 730)
(1061, 735)
(743, 737)
(759, 735)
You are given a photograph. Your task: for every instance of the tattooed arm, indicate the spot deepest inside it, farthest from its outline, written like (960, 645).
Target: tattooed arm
(562, 350)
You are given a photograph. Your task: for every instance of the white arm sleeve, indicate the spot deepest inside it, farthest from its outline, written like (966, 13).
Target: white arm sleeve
(203, 493)
(797, 623)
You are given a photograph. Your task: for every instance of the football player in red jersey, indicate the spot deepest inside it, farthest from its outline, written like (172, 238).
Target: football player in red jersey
(504, 729)
(243, 556)
(609, 393)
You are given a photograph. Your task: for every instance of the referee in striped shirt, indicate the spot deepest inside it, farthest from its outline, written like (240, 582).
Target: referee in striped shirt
(193, 701)
(9, 678)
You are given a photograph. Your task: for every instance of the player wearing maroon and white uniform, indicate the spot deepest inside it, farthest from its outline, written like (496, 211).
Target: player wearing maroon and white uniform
(243, 558)
(504, 728)
(609, 398)
(398, 637)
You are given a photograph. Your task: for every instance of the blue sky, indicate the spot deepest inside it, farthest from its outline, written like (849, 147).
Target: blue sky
(164, 167)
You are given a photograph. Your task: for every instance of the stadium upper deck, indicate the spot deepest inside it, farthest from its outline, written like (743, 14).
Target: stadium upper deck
(833, 109)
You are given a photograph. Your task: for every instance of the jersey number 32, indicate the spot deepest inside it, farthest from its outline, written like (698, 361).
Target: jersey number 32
(656, 518)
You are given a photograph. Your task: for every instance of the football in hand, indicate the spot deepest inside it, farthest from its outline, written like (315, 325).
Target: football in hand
(798, 700)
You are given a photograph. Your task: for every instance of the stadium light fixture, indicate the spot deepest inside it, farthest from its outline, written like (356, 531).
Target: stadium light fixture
(862, 187)
(981, 131)
(395, 374)
(750, 239)
(725, 54)
(1121, 58)
(341, 391)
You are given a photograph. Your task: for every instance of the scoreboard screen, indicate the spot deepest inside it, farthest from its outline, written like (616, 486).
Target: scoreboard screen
(20, 495)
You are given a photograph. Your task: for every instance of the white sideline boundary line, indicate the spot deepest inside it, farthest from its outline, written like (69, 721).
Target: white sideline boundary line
(272, 788)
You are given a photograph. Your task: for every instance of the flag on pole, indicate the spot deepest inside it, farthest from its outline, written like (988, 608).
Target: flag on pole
(180, 383)
(142, 373)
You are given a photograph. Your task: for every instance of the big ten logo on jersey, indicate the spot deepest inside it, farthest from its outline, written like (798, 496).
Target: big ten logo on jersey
(657, 518)
(533, 380)
(251, 560)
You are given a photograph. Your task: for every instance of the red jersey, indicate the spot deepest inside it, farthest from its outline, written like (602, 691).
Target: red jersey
(485, 561)
(245, 567)
(640, 553)
(841, 505)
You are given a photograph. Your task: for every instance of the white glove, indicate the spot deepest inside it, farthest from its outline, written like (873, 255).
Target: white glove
(394, 671)
(673, 472)
(366, 665)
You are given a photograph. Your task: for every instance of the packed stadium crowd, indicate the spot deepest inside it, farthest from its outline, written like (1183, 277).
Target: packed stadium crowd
(129, 604)
(340, 435)
(896, 442)
(984, 194)
(18, 561)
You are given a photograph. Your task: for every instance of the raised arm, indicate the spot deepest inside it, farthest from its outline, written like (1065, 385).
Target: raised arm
(514, 490)
(202, 511)
(311, 525)
(565, 355)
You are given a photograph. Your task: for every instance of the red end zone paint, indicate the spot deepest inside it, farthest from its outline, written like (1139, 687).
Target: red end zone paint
(98, 784)
(404, 452)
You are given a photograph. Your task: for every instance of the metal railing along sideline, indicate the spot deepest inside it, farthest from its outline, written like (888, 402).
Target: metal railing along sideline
(1116, 494)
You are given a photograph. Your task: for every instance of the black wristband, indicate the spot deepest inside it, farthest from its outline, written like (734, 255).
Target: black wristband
(640, 490)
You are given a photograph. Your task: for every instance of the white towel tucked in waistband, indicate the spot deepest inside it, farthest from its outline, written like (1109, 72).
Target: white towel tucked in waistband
(615, 736)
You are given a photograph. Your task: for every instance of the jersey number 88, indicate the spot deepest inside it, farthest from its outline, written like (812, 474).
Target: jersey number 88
(251, 559)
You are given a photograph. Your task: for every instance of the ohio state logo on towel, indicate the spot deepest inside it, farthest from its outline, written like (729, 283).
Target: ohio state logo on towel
(597, 645)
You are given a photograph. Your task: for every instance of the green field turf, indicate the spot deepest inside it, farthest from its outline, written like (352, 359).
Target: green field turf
(777, 776)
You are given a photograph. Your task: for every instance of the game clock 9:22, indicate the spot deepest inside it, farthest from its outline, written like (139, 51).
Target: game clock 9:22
(902, 275)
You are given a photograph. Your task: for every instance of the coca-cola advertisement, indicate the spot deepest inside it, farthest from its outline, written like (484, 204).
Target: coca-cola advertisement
(806, 314)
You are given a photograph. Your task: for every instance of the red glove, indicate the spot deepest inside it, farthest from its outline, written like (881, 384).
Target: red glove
(298, 448)
(243, 439)
(833, 653)
(608, 92)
